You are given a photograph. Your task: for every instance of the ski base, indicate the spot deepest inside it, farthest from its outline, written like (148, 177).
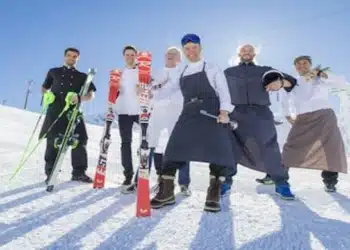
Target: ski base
(143, 203)
(100, 177)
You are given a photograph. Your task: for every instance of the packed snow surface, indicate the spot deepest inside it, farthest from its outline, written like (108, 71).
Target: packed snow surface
(75, 216)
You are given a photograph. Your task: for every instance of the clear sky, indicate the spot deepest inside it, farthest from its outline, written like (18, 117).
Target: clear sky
(34, 34)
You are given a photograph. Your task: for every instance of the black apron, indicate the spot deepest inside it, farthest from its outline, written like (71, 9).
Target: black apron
(257, 137)
(196, 137)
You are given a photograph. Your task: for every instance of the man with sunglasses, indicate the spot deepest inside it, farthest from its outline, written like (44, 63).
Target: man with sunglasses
(197, 137)
(164, 115)
(256, 132)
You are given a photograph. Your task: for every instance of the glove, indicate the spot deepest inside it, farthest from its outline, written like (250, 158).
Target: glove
(48, 98)
(72, 98)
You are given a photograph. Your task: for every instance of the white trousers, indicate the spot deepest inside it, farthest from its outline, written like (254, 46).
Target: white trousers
(162, 121)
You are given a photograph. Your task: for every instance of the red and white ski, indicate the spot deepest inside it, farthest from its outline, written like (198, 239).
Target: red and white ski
(143, 206)
(114, 83)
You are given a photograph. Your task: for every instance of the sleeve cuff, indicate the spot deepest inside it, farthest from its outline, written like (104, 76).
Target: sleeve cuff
(227, 107)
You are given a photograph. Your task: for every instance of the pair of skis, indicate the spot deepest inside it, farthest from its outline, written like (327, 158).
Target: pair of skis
(144, 60)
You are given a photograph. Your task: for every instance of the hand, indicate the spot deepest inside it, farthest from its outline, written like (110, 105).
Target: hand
(71, 98)
(223, 117)
(74, 99)
(150, 94)
(275, 85)
(324, 75)
(290, 120)
(48, 98)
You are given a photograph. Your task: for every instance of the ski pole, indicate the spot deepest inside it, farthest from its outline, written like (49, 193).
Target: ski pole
(25, 158)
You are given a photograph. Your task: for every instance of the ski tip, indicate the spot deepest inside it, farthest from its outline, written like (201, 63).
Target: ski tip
(92, 71)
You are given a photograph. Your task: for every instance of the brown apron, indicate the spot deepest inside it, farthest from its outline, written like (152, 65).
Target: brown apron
(315, 142)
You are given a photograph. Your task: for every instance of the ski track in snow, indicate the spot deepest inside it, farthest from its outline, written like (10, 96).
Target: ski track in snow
(75, 216)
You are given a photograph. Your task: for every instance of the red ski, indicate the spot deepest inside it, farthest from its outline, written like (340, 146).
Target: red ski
(143, 205)
(114, 81)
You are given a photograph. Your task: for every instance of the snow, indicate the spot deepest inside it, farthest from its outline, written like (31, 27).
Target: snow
(75, 216)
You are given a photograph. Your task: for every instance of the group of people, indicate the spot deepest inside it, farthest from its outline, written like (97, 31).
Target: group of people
(183, 93)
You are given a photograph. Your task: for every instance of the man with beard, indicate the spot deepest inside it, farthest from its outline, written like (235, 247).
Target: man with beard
(256, 132)
(59, 83)
(314, 141)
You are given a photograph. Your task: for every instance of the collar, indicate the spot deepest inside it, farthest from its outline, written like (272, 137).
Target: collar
(68, 67)
(249, 63)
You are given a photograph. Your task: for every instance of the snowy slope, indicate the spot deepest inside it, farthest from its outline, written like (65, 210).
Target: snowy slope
(77, 217)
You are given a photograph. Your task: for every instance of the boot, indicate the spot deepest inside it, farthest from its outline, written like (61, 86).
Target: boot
(155, 188)
(266, 180)
(185, 190)
(128, 186)
(82, 178)
(330, 187)
(212, 202)
(165, 195)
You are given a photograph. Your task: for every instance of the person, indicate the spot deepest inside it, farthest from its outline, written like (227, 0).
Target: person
(256, 133)
(314, 141)
(127, 107)
(197, 137)
(59, 83)
(164, 115)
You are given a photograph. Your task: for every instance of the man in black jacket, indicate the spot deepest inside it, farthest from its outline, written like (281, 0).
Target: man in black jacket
(256, 132)
(58, 83)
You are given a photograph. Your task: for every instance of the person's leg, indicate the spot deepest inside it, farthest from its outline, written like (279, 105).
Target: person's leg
(330, 180)
(226, 186)
(217, 177)
(80, 163)
(125, 130)
(184, 179)
(50, 157)
(165, 195)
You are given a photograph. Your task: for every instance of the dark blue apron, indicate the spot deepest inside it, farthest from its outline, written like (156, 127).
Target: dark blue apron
(196, 137)
(257, 136)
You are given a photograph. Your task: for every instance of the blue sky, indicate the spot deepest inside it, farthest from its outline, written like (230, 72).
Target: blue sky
(35, 33)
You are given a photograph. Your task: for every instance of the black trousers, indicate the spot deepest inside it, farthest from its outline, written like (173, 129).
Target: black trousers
(327, 176)
(126, 123)
(78, 155)
(170, 168)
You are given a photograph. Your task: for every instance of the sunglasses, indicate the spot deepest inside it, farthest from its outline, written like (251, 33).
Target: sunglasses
(190, 38)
